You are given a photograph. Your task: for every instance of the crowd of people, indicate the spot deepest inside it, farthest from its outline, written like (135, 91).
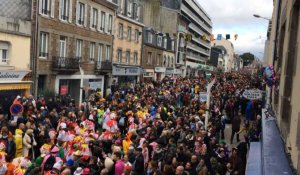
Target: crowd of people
(154, 128)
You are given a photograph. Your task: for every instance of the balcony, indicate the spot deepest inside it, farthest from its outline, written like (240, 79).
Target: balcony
(65, 64)
(198, 49)
(103, 66)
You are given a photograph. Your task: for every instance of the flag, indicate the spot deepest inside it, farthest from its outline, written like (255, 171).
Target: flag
(236, 36)
(219, 37)
(204, 37)
(227, 36)
(212, 37)
(188, 37)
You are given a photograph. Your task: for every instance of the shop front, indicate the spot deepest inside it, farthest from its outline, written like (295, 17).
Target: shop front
(79, 87)
(14, 83)
(171, 72)
(159, 73)
(125, 76)
(148, 75)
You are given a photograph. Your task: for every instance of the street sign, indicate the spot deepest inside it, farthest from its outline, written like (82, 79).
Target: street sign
(15, 109)
(203, 96)
(252, 94)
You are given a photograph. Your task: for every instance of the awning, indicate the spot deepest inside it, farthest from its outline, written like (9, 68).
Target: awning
(14, 86)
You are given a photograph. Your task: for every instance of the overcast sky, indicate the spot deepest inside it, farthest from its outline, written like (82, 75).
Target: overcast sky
(236, 17)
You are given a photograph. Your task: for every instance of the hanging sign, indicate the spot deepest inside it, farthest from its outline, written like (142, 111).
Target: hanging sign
(252, 94)
(15, 109)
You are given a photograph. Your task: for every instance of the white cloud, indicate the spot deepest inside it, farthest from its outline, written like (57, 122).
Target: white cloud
(236, 17)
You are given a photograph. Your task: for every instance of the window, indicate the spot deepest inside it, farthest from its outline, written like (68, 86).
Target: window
(62, 46)
(129, 34)
(45, 7)
(107, 52)
(172, 61)
(135, 58)
(150, 37)
(149, 58)
(43, 44)
(94, 18)
(102, 26)
(92, 51)
(110, 23)
(100, 52)
(164, 61)
(64, 6)
(136, 36)
(159, 40)
(78, 48)
(4, 52)
(168, 62)
(120, 33)
(127, 57)
(80, 13)
(158, 59)
(119, 55)
(165, 43)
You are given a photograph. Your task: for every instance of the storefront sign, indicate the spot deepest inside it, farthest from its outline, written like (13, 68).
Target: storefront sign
(252, 94)
(169, 70)
(133, 71)
(10, 76)
(64, 90)
(160, 69)
(178, 71)
(95, 85)
(203, 96)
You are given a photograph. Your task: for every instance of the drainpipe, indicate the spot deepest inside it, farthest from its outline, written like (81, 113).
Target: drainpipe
(81, 84)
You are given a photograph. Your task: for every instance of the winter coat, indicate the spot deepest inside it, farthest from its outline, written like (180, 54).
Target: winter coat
(19, 143)
(28, 144)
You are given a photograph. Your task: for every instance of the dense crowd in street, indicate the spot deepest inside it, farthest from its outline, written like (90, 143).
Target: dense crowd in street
(153, 128)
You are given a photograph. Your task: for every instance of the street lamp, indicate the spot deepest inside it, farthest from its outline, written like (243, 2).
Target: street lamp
(258, 16)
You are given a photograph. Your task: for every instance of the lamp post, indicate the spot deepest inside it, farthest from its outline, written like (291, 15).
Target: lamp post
(258, 16)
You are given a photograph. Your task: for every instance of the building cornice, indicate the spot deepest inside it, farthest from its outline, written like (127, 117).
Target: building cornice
(130, 20)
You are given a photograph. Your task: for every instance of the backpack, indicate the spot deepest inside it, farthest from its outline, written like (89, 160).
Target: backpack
(49, 163)
(122, 121)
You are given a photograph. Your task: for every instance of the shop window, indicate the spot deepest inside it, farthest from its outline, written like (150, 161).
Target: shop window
(4, 48)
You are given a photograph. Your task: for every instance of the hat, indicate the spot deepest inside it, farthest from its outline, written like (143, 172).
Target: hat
(63, 125)
(78, 153)
(91, 117)
(58, 165)
(78, 171)
(42, 108)
(70, 162)
(86, 171)
(33, 116)
(55, 149)
(18, 97)
(128, 168)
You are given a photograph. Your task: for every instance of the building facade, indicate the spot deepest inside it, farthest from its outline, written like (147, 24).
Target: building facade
(197, 35)
(229, 59)
(285, 96)
(127, 43)
(73, 48)
(15, 40)
(158, 55)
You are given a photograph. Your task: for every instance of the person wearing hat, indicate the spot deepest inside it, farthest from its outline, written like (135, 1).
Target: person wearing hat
(57, 167)
(77, 155)
(50, 159)
(78, 171)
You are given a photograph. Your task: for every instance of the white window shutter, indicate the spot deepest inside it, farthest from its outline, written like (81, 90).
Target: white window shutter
(70, 11)
(60, 9)
(129, 9)
(99, 20)
(52, 8)
(122, 6)
(40, 6)
(138, 13)
(85, 14)
(91, 16)
(113, 25)
(77, 12)
(106, 22)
